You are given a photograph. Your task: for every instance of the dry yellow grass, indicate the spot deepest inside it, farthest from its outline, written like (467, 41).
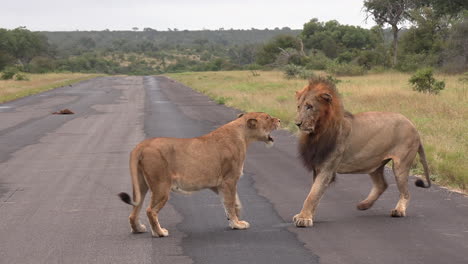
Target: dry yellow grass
(12, 89)
(441, 119)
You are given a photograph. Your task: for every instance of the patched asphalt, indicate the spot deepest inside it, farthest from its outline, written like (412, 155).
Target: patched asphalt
(59, 176)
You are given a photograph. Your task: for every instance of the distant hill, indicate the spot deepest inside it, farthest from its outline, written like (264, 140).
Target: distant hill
(165, 39)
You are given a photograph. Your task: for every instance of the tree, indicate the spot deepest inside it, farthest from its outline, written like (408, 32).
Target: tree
(134, 28)
(392, 12)
(451, 8)
(268, 53)
(22, 45)
(334, 39)
(456, 52)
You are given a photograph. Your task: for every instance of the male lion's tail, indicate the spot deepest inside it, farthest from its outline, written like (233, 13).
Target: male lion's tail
(135, 157)
(422, 157)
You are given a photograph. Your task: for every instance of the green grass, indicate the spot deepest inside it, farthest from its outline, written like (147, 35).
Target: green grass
(442, 120)
(37, 83)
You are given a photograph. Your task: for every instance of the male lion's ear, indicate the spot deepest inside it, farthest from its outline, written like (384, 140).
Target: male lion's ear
(300, 92)
(327, 97)
(252, 123)
(240, 115)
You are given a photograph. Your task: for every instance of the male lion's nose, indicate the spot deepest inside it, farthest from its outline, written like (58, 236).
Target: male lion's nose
(298, 124)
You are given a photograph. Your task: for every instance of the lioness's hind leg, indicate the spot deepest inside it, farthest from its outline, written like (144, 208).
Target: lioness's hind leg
(159, 198)
(136, 226)
(401, 172)
(379, 186)
(238, 206)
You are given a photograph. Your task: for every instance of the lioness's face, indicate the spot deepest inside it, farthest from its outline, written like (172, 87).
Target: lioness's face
(310, 106)
(260, 125)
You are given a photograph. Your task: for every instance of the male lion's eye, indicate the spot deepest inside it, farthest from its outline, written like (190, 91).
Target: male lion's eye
(308, 107)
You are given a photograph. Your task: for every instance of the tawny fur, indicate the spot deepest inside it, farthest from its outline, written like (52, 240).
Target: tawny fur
(333, 140)
(214, 161)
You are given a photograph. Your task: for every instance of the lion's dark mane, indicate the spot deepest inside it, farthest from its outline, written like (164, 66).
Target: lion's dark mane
(316, 147)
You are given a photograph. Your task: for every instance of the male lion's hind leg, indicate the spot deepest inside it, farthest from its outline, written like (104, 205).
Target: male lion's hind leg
(401, 172)
(158, 200)
(379, 186)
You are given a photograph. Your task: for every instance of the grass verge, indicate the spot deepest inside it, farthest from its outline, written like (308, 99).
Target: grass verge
(442, 120)
(36, 83)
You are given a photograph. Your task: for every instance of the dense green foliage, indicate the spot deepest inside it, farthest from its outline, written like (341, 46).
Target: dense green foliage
(437, 37)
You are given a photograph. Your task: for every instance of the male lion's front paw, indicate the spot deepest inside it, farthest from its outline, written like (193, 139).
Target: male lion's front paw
(239, 224)
(301, 221)
(160, 233)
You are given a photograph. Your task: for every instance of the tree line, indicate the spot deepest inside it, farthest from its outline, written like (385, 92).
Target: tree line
(410, 34)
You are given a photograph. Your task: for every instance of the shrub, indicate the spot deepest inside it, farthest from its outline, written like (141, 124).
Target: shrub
(333, 80)
(21, 77)
(423, 81)
(291, 71)
(306, 74)
(413, 62)
(344, 69)
(8, 73)
(464, 78)
(317, 61)
(41, 65)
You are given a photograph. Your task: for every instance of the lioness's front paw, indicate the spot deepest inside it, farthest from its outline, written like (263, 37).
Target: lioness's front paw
(139, 229)
(302, 221)
(363, 205)
(397, 213)
(160, 233)
(239, 224)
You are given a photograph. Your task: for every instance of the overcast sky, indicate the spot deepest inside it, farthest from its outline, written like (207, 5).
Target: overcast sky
(65, 15)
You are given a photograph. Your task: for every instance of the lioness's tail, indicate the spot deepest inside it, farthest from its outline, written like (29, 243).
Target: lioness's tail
(135, 156)
(422, 157)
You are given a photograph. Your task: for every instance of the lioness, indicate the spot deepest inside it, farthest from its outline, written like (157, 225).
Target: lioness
(213, 161)
(333, 140)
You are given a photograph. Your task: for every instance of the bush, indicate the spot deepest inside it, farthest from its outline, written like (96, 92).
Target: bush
(413, 62)
(423, 81)
(21, 77)
(317, 61)
(8, 73)
(333, 80)
(293, 71)
(345, 69)
(306, 74)
(41, 65)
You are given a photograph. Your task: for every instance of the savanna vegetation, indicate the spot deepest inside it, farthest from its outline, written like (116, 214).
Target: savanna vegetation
(36, 83)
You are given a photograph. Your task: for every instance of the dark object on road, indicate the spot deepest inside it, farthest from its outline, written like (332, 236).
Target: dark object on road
(65, 111)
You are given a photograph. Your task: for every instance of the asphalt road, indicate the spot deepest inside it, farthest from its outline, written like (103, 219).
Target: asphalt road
(59, 176)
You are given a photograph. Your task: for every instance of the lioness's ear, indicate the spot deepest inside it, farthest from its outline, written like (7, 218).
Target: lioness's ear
(240, 115)
(327, 97)
(252, 123)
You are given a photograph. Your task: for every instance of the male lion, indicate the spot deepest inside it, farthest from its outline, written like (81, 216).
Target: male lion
(333, 140)
(213, 161)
